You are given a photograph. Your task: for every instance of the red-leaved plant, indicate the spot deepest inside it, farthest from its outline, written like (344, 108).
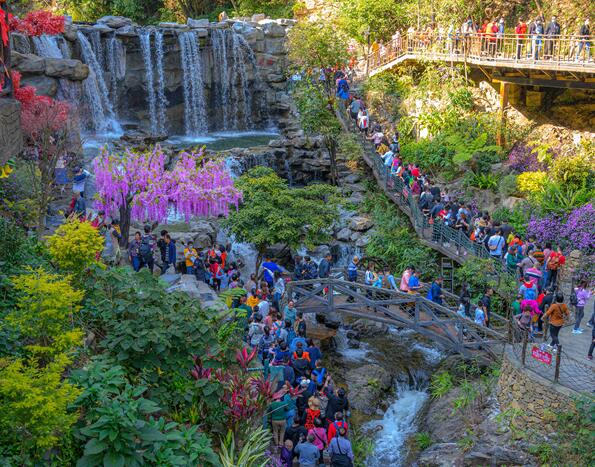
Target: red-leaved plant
(37, 23)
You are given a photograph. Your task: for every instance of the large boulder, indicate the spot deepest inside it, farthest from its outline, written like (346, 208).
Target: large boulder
(74, 70)
(168, 25)
(44, 85)
(27, 63)
(274, 46)
(343, 234)
(115, 22)
(198, 23)
(273, 30)
(20, 43)
(368, 387)
(361, 223)
(103, 28)
(127, 31)
(70, 31)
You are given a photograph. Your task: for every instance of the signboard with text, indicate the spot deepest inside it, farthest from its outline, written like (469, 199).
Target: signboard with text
(542, 355)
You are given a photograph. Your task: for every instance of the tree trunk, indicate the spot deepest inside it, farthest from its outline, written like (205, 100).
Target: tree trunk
(258, 262)
(368, 56)
(125, 224)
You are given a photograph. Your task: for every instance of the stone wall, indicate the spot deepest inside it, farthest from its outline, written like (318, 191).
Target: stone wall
(537, 398)
(11, 137)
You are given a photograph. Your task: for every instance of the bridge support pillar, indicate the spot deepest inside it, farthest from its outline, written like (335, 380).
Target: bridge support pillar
(500, 138)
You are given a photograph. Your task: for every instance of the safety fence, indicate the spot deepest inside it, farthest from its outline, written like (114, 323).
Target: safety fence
(554, 364)
(534, 51)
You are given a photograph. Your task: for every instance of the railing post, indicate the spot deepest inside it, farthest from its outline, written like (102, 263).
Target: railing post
(524, 354)
(557, 369)
(331, 299)
(416, 314)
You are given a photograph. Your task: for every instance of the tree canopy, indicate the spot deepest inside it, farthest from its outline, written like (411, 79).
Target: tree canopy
(379, 19)
(273, 213)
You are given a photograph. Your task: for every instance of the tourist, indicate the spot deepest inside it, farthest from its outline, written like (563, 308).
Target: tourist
(435, 292)
(552, 31)
(190, 255)
(286, 455)
(299, 325)
(255, 330)
(312, 412)
(554, 262)
(134, 252)
(536, 31)
(404, 286)
(80, 206)
(340, 450)
(310, 269)
(290, 312)
(486, 304)
(170, 254)
(319, 438)
(279, 289)
(147, 248)
(79, 180)
(352, 274)
(516, 305)
(111, 247)
(302, 400)
(270, 268)
(308, 455)
(354, 108)
(337, 403)
(277, 410)
(314, 352)
(584, 34)
(252, 282)
(363, 121)
(556, 315)
(300, 362)
(342, 89)
(324, 268)
(581, 296)
(161, 245)
(295, 431)
(528, 289)
(414, 284)
(480, 315)
(495, 244)
(338, 423)
(377, 137)
(245, 308)
(265, 344)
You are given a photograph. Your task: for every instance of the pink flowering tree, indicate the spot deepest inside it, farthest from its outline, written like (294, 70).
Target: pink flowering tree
(138, 187)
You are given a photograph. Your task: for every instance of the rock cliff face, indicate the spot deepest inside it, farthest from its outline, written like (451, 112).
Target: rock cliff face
(228, 75)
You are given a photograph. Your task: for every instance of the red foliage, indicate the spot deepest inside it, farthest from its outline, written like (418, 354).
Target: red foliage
(244, 358)
(37, 23)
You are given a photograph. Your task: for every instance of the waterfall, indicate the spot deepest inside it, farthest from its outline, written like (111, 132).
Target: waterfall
(218, 39)
(195, 112)
(100, 106)
(97, 46)
(145, 45)
(234, 95)
(115, 67)
(47, 46)
(161, 99)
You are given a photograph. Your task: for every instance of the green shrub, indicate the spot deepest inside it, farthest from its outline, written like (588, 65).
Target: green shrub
(516, 217)
(508, 186)
(483, 181)
(441, 383)
(423, 440)
(34, 410)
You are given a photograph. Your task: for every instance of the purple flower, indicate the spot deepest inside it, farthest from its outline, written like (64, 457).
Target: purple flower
(580, 228)
(546, 229)
(523, 158)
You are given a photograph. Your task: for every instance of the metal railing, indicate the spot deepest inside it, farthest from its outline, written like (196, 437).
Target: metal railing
(532, 51)
(413, 311)
(442, 237)
(557, 365)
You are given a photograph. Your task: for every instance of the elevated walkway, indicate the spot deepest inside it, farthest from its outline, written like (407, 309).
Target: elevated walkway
(542, 61)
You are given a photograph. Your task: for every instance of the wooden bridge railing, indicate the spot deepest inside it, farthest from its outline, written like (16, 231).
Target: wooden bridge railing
(568, 52)
(437, 322)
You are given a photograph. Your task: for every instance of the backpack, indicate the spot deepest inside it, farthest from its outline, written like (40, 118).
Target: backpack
(340, 459)
(429, 294)
(146, 250)
(529, 293)
(573, 298)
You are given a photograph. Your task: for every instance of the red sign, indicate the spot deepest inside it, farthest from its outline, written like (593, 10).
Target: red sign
(541, 355)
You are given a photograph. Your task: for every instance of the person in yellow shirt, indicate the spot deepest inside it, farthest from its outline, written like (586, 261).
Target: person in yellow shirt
(191, 255)
(253, 299)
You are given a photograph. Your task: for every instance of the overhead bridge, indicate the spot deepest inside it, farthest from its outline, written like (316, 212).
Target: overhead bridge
(547, 61)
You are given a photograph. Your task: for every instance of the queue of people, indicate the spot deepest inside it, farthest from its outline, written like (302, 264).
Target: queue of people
(534, 39)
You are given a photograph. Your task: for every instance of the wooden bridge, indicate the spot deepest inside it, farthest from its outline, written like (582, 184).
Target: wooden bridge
(438, 322)
(558, 61)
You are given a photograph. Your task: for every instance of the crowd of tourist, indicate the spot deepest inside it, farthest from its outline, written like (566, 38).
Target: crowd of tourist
(534, 39)
(536, 266)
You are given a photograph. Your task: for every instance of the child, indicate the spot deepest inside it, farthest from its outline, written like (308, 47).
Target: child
(480, 317)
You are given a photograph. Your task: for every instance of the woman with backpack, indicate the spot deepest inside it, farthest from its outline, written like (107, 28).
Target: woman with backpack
(556, 314)
(579, 299)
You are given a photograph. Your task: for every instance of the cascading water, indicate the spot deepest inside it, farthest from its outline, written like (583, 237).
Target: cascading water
(161, 99)
(145, 45)
(47, 46)
(97, 46)
(195, 111)
(398, 422)
(100, 107)
(234, 95)
(116, 66)
(219, 45)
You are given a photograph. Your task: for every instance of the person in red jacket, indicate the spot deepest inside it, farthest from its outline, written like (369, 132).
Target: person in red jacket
(333, 427)
(521, 32)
